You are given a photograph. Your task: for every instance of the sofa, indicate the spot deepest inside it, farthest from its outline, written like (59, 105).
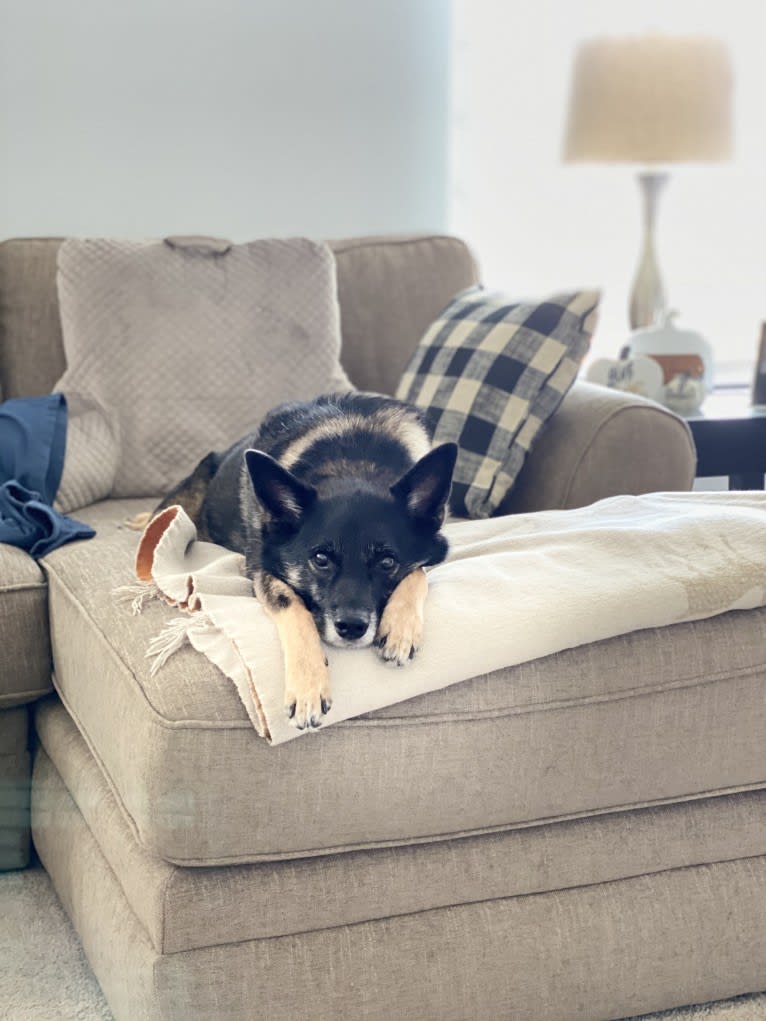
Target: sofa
(581, 836)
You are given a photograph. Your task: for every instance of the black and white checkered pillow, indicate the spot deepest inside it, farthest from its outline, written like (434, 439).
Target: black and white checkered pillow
(489, 372)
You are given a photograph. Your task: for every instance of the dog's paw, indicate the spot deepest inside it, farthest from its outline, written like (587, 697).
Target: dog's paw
(307, 695)
(399, 636)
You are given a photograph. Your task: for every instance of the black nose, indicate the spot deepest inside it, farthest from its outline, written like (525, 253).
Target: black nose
(351, 626)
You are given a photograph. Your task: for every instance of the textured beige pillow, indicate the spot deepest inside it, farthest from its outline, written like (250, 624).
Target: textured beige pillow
(182, 346)
(92, 454)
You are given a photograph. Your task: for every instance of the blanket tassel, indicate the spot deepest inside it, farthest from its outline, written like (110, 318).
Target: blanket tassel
(174, 636)
(136, 595)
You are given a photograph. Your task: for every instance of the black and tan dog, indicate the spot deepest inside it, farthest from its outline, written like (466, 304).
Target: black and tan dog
(337, 505)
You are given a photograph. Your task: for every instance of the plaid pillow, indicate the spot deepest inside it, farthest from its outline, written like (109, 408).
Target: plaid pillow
(489, 373)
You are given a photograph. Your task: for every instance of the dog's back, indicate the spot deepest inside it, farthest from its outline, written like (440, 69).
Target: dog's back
(334, 443)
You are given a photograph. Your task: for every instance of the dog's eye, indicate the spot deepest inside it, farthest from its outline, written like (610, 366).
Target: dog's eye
(320, 560)
(387, 563)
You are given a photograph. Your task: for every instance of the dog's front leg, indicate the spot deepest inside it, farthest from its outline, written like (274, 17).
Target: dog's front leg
(400, 632)
(307, 685)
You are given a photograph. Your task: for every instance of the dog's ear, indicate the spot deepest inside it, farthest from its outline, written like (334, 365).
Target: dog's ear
(283, 496)
(424, 490)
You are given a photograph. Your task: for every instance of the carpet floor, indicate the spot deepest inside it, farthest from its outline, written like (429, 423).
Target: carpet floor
(44, 975)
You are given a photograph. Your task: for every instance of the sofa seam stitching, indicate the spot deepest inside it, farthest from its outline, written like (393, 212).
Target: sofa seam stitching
(164, 919)
(23, 587)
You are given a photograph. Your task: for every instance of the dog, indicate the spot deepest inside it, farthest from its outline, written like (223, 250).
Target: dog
(337, 505)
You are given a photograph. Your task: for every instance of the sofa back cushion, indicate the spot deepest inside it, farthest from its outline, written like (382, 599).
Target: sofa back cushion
(389, 289)
(184, 345)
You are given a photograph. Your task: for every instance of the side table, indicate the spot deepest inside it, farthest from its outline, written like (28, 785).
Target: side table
(730, 437)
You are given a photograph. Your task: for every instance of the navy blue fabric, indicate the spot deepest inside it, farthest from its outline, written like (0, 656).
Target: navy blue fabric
(32, 448)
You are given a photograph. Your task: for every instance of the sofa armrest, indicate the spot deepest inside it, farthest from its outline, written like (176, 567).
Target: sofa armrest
(601, 443)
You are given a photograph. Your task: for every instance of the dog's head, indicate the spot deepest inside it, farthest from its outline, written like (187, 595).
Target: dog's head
(346, 552)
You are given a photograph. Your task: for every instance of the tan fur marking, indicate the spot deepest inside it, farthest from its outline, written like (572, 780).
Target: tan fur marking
(307, 680)
(413, 436)
(398, 423)
(333, 428)
(402, 622)
(344, 468)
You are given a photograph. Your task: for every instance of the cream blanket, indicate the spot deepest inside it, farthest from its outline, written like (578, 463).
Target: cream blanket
(513, 589)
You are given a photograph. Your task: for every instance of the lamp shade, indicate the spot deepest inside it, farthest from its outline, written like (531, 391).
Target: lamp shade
(650, 99)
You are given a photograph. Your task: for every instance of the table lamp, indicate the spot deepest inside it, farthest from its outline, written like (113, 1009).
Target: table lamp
(650, 100)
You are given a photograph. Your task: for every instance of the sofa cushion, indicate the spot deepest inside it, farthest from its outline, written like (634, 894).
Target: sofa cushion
(152, 328)
(182, 908)
(640, 719)
(25, 661)
(489, 373)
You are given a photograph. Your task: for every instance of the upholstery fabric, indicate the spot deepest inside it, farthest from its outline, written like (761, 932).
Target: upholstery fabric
(92, 454)
(186, 344)
(390, 290)
(14, 727)
(187, 908)
(25, 660)
(31, 349)
(642, 718)
(15, 778)
(606, 950)
(489, 373)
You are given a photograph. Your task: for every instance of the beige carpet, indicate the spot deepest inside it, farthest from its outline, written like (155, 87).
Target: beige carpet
(43, 972)
(44, 975)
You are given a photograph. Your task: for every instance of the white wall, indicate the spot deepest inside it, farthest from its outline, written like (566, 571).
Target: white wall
(539, 225)
(240, 118)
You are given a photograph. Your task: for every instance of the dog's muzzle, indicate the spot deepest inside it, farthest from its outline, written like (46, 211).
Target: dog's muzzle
(350, 630)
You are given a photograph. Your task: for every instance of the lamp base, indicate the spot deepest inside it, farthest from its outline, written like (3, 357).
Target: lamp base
(647, 300)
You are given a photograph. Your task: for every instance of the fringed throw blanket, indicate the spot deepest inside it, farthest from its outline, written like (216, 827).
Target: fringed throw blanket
(513, 589)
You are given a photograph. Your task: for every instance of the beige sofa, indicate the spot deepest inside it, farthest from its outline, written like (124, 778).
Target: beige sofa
(583, 836)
